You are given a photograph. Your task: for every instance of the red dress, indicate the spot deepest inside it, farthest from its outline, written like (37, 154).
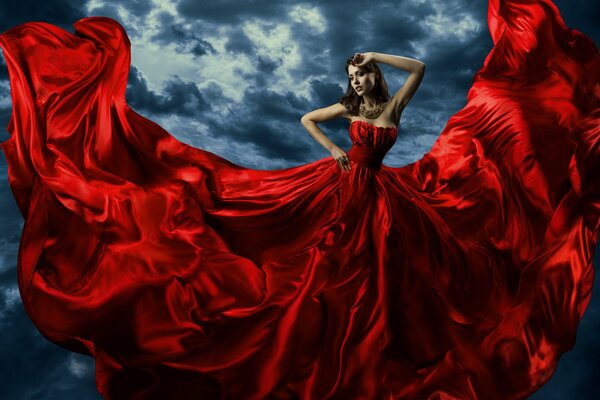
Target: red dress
(460, 276)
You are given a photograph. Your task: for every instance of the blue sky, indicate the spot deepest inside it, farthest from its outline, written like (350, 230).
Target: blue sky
(234, 77)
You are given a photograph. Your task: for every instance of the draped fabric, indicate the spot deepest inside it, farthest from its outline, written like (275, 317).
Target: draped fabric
(463, 275)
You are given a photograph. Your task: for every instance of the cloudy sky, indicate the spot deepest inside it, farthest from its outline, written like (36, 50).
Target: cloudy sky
(234, 77)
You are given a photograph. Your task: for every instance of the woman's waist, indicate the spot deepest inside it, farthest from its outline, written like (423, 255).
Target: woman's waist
(366, 155)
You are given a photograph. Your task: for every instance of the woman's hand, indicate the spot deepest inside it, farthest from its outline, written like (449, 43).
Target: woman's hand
(360, 59)
(341, 158)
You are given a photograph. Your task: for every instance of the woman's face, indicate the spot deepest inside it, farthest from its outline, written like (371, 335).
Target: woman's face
(361, 80)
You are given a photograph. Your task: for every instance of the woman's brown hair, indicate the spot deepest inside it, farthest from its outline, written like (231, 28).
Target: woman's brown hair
(351, 100)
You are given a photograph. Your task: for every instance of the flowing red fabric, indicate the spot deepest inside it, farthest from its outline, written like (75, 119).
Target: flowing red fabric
(461, 276)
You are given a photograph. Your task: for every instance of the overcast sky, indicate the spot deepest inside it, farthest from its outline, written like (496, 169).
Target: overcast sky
(234, 77)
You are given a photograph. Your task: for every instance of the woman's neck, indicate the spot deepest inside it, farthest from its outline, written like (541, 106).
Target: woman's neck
(369, 101)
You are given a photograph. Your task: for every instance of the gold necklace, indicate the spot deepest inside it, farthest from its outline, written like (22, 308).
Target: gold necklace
(373, 113)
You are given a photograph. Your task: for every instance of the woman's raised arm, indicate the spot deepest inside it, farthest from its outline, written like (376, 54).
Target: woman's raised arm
(416, 71)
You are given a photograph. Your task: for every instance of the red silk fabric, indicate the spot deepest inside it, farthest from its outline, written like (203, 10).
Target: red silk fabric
(460, 276)
(370, 145)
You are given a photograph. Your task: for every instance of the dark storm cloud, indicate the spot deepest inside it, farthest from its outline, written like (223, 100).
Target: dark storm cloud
(231, 12)
(274, 141)
(34, 368)
(177, 97)
(326, 92)
(111, 11)
(4, 111)
(583, 16)
(139, 8)
(388, 25)
(58, 12)
(239, 42)
(3, 69)
(398, 33)
(381, 27)
(265, 68)
(272, 105)
(450, 71)
(269, 128)
(185, 40)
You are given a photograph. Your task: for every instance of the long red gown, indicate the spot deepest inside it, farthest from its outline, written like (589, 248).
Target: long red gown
(461, 276)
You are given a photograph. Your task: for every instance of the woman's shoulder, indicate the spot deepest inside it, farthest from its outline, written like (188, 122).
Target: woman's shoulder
(342, 111)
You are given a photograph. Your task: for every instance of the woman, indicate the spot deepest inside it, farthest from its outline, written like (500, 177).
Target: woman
(462, 275)
(367, 97)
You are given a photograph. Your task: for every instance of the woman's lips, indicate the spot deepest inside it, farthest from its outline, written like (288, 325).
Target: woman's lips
(358, 88)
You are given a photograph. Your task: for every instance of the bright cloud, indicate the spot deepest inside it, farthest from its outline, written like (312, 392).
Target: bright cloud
(310, 16)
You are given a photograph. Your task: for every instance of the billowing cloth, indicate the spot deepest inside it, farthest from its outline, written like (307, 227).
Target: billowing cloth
(463, 275)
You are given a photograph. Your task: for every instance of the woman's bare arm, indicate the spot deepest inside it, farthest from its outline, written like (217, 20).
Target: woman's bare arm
(408, 64)
(416, 71)
(309, 121)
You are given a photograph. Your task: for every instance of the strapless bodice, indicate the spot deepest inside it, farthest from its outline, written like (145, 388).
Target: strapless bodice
(370, 143)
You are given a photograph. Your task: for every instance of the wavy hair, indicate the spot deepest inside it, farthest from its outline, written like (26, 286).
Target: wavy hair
(351, 100)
